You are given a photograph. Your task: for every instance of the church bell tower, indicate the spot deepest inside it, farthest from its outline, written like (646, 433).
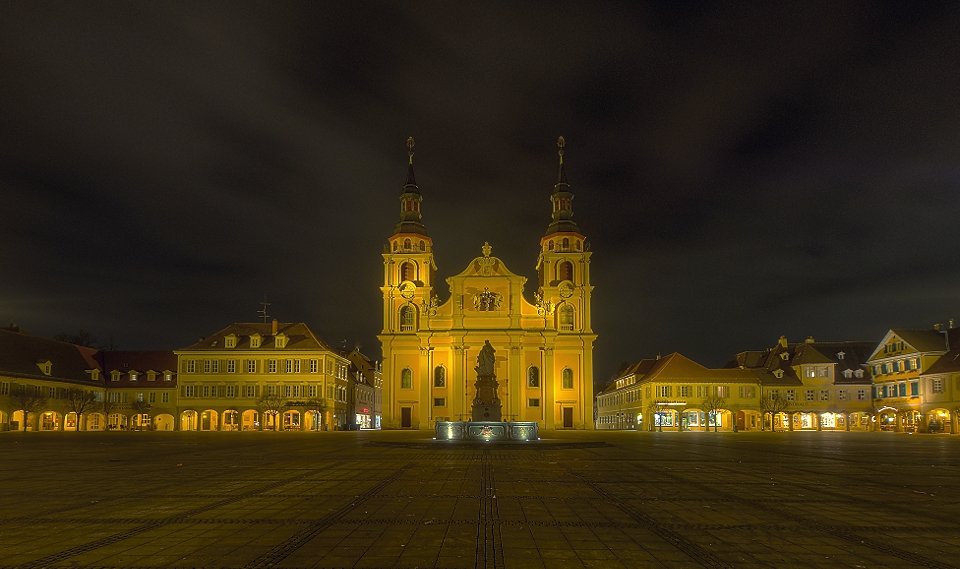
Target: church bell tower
(563, 267)
(408, 265)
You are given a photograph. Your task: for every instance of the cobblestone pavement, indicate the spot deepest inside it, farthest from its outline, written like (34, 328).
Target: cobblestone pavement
(399, 499)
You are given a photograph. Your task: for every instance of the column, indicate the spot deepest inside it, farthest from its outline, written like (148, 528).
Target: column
(548, 402)
(586, 388)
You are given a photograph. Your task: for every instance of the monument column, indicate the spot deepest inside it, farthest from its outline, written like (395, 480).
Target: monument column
(486, 403)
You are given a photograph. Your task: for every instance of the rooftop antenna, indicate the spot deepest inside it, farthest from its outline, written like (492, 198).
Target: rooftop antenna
(263, 311)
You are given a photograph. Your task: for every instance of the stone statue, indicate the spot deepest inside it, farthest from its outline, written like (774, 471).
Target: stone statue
(485, 360)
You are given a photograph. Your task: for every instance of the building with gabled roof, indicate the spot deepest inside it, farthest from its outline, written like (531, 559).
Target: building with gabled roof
(366, 391)
(896, 364)
(821, 385)
(262, 375)
(675, 392)
(44, 374)
(140, 389)
(619, 404)
(940, 389)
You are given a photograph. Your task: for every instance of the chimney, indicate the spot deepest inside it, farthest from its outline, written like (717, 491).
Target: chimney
(951, 323)
(273, 328)
(783, 342)
(809, 339)
(936, 327)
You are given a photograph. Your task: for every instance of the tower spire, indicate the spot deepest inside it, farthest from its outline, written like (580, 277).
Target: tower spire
(410, 199)
(562, 178)
(562, 200)
(411, 179)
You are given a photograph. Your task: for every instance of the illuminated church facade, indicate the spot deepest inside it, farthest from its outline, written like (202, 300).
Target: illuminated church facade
(543, 342)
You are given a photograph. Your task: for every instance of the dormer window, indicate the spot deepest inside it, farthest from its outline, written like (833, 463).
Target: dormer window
(784, 356)
(46, 366)
(94, 374)
(168, 376)
(255, 340)
(151, 376)
(281, 340)
(133, 376)
(848, 373)
(840, 355)
(778, 373)
(230, 341)
(858, 373)
(114, 375)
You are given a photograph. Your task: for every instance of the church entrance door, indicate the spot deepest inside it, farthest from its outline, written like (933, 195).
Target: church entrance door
(405, 422)
(568, 417)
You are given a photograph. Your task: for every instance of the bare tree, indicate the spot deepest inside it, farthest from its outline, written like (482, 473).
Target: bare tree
(655, 411)
(317, 405)
(28, 399)
(271, 405)
(712, 404)
(141, 407)
(107, 407)
(81, 338)
(773, 404)
(77, 401)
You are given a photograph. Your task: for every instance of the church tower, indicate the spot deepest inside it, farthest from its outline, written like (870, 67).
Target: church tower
(408, 294)
(408, 265)
(563, 267)
(563, 270)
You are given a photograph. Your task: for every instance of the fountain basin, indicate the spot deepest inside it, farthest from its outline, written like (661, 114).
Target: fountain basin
(487, 430)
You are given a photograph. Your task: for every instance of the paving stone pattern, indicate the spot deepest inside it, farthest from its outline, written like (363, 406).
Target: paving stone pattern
(399, 499)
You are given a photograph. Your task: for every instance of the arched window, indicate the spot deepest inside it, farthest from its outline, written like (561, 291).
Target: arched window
(408, 272)
(566, 378)
(566, 318)
(551, 245)
(565, 271)
(566, 243)
(406, 378)
(423, 246)
(408, 318)
(533, 377)
(395, 246)
(578, 244)
(439, 377)
(406, 244)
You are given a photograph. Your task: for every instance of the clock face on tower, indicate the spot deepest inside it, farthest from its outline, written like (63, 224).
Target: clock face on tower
(407, 289)
(566, 289)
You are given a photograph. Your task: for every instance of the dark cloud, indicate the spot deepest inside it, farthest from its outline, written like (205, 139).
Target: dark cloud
(742, 172)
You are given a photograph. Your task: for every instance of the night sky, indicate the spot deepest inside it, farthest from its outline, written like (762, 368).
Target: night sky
(741, 173)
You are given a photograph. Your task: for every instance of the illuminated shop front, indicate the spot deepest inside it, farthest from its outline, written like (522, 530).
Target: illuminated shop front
(939, 421)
